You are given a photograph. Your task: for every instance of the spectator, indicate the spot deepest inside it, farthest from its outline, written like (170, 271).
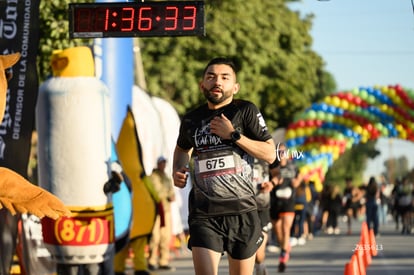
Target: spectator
(297, 230)
(352, 202)
(333, 205)
(404, 198)
(385, 201)
(312, 197)
(159, 245)
(371, 205)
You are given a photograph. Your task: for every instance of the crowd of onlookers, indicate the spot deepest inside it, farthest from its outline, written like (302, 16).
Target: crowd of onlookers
(378, 202)
(322, 212)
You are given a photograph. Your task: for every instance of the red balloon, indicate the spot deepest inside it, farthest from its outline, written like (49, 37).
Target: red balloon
(350, 97)
(301, 123)
(310, 123)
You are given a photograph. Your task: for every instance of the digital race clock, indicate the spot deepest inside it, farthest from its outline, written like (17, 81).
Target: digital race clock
(130, 19)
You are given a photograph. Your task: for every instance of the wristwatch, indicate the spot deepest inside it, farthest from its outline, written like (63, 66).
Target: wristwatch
(235, 136)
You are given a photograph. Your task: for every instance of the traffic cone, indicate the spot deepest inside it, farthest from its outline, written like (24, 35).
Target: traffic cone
(373, 243)
(360, 261)
(365, 245)
(351, 268)
(364, 249)
(367, 256)
(364, 233)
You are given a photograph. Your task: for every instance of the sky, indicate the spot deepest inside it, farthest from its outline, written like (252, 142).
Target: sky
(366, 43)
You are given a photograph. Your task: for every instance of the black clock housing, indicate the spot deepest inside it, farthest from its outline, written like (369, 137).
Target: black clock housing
(134, 19)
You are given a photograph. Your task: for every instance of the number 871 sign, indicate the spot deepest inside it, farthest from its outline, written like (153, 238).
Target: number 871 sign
(81, 230)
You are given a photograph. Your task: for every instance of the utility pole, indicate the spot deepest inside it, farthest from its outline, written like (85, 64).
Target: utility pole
(139, 77)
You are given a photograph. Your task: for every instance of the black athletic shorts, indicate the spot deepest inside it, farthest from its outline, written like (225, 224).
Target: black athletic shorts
(281, 206)
(239, 235)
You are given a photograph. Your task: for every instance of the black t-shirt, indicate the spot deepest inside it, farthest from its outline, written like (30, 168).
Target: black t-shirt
(222, 170)
(285, 191)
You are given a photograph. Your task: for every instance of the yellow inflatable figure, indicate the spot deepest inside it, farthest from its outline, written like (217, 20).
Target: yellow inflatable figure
(144, 198)
(16, 193)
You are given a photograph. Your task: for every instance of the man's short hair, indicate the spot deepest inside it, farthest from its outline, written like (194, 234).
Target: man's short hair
(221, 61)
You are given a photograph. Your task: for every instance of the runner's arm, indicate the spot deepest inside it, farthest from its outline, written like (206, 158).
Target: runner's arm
(180, 166)
(264, 150)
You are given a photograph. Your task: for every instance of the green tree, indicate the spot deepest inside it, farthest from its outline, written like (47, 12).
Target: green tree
(54, 32)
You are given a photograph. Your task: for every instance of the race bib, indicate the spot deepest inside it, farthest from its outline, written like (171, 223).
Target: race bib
(216, 165)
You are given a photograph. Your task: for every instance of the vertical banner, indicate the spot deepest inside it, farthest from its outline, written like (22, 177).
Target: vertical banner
(19, 22)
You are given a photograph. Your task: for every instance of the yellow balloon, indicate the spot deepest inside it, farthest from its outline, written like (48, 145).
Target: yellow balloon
(364, 139)
(309, 131)
(402, 134)
(304, 170)
(290, 134)
(385, 90)
(300, 132)
(410, 125)
(344, 104)
(335, 156)
(358, 129)
(365, 133)
(391, 92)
(318, 185)
(336, 101)
(397, 99)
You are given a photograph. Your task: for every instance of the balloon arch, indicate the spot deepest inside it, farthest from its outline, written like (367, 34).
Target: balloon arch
(324, 131)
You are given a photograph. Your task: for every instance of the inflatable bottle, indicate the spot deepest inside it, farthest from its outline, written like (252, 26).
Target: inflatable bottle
(74, 158)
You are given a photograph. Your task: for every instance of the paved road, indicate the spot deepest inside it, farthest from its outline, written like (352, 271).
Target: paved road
(328, 254)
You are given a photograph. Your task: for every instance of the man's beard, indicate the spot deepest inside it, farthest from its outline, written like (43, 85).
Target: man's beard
(214, 98)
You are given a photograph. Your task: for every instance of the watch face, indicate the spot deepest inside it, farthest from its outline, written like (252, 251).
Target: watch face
(235, 136)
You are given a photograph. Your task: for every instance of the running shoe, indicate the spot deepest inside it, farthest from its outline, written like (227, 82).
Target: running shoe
(283, 259)
(282, 267)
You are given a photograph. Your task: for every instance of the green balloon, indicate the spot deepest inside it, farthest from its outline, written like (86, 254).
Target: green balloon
(320, 115)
